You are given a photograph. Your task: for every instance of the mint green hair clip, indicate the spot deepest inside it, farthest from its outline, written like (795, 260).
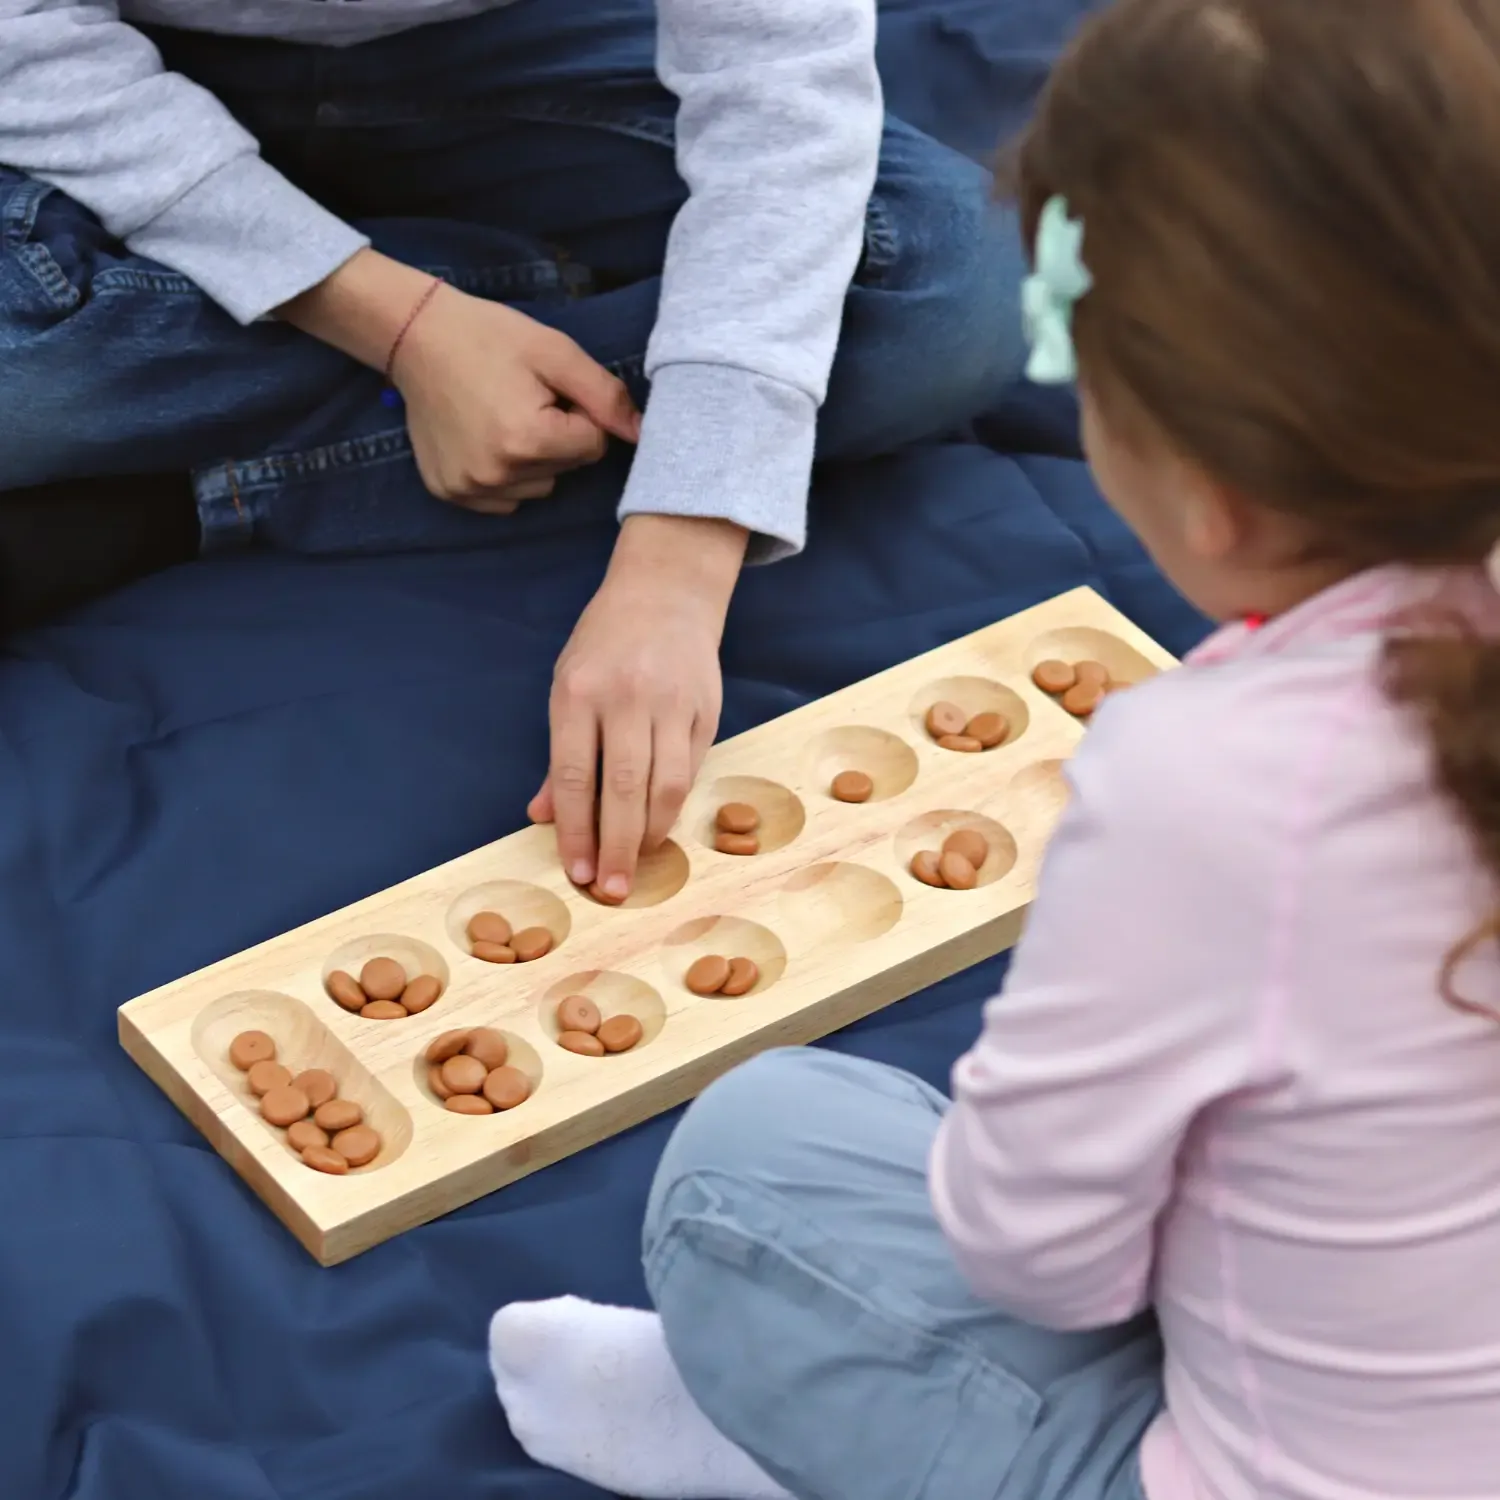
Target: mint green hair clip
(1050, 293)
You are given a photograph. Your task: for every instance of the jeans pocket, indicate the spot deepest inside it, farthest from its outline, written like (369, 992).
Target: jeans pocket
(35, 290)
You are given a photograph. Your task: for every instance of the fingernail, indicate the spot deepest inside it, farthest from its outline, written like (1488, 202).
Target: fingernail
(582, 872)
(617, 886)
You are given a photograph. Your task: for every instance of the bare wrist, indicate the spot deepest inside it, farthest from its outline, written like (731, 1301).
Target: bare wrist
(361, 308)
(698, 554)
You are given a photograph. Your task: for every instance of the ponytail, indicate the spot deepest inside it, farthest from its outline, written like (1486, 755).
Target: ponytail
(1451, 680)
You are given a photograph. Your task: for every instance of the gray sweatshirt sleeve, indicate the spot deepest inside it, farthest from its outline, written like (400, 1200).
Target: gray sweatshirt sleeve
(86, 105)
(778, 140)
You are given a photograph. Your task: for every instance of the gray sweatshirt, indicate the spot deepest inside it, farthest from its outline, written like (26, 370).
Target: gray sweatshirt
(778, 140)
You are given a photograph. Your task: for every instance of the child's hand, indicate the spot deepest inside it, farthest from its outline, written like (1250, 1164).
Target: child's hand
(636, 696)
(498, 405)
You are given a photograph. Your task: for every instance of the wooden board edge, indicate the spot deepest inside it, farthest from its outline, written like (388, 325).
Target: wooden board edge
(160, 1070)
(668, 1091)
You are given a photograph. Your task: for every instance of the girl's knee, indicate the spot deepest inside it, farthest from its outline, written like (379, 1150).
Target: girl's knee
(734, 1125)
(768, 1121)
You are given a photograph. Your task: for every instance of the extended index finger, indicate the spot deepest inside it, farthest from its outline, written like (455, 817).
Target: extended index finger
(573, 777)
(623, 798)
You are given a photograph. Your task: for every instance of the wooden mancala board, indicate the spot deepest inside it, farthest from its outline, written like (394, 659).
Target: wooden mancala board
(827, 909)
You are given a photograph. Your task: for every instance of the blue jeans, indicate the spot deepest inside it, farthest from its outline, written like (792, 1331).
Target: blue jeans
(527, 156)
(812, 1307)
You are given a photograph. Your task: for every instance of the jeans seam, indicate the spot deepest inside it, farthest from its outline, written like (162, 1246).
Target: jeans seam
(19, 208)
(533, 278)
(134, 279)
(640, 127)
(882, 246)
(271, 469)
(632, 368)
(50, 278)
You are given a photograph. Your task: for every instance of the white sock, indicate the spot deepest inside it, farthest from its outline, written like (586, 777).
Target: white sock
(592, 1391)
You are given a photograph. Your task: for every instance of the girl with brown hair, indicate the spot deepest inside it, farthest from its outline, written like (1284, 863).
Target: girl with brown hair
(1214, 1213)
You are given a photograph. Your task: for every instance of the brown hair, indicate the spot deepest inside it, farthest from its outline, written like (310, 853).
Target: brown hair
(1291, 214)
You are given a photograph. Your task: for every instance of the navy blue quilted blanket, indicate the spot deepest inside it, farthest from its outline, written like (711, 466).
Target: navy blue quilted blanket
(226, 751)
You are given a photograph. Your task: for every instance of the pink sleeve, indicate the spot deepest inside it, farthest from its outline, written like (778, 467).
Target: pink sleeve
(1128, 1009)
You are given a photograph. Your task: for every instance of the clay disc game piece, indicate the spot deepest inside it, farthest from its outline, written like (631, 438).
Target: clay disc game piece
(737, 843)
(852, 786)
(737, 817)
(285, 1106)
(944, 719)
(603, 897)
(382, 979)
(584, 1043)
(621, 1033)
(449, 1044)
(1093, 672)
(706, 976)
(435, 1081)
(989, 729)
(265, 1076)
(468, 1104)
(487, 1047)
(532, 944)
(962, 743)
(384, 1010)
(1054, 676)
(1082, 699)
(421, 993)
(251, 1047)
(969, 844)
(578, 1013)
(488, 927)
(464, 1075)
(302, 1134)
(505, 1088)
(345, 989)
(958, 874)
(325, 1159)
(494, 953)
(744, 975)
(358, 1145)
(925, 867)
(318, 1084)
(337, 1115)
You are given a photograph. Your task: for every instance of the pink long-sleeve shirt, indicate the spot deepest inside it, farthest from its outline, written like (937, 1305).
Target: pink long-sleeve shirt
(1221, 1078)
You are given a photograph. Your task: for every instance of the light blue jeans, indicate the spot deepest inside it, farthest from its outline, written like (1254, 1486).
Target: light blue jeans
(814, 1311)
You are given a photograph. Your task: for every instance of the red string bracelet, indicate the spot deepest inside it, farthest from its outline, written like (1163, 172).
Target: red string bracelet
(411, 317)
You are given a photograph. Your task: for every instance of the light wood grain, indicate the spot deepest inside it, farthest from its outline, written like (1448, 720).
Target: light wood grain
(828, 910)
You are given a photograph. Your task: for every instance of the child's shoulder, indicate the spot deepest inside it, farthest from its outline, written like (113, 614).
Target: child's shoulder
(1237, 741)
